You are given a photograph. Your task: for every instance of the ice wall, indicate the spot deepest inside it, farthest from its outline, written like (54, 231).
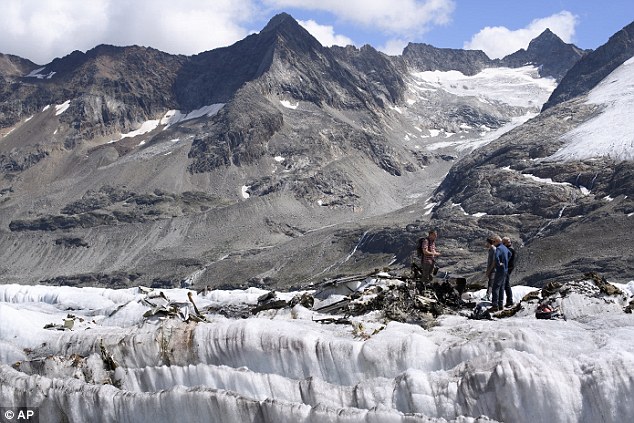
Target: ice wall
(281, 366)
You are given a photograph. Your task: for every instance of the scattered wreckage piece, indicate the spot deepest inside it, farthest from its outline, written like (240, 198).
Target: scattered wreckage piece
(398, 299)
(163, 307)
(270, 301)
(549, 298)
(603, 284)
(335, 320)
(338, 306)
(69, 323)
(509, 312)
(342, 286)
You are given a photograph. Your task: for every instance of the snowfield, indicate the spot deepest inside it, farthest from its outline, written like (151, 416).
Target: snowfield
(519, 87)
(126, 361)
(611, 133)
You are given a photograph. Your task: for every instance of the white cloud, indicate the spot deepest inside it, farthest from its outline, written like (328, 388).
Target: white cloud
(402, 17)
(500, 41)
(325, 34)
(41, 30)
(393, 47)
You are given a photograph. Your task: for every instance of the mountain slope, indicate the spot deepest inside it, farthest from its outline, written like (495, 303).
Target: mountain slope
(274, 161)
(561, 184)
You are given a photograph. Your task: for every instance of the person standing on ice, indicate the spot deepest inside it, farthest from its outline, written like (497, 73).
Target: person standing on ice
(508, 292)
(490, 272)
(501, 268)
(428, 253)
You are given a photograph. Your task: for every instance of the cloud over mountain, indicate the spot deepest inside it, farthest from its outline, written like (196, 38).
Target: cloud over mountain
(499, 41)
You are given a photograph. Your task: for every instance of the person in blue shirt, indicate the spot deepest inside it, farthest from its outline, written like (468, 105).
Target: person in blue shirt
(502, 255)
(508, 292)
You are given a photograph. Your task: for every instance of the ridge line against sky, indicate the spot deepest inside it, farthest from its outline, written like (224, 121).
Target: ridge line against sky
(40, 31)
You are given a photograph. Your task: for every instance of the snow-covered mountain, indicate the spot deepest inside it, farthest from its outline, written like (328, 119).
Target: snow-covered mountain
(560, 182)
(263, 163)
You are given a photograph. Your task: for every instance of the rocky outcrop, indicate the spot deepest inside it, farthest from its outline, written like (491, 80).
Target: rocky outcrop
(111, 89)
(384, 74)
(548, 52)
(115, 206)
(18, 161)
(423, 57)
(594, 67)
(239, 134)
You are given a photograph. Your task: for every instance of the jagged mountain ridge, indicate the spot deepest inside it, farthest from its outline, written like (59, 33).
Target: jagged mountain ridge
(313, 135)
(591, 69)
(192, 82)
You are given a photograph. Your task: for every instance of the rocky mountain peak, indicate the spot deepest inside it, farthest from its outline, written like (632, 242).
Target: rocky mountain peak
(289, 33)
(280, 20)
(594, 66)
(553, 56)
(544, 39)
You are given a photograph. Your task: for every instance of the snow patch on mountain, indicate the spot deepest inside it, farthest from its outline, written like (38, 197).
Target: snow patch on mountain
(288, 104)
(486, 136)
(38, 73)
(172, 117)
(611, 133)
(519, 87)
(61, 108)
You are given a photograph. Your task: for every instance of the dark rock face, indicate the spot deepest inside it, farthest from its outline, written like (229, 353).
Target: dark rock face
(549, 52)
(240, 134)
(110, 88)
(116, 206)
(116, 280)
(16, 162)
(69, 242)
(595, 66)
(384, 73)
(424, 57)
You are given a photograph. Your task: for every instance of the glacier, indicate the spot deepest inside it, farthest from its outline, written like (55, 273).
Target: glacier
(121, 363)
(609, 134)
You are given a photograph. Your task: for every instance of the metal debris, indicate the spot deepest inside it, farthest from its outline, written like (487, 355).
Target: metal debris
(163, 307)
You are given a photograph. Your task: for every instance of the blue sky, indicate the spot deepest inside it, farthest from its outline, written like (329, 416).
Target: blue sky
(42, 30)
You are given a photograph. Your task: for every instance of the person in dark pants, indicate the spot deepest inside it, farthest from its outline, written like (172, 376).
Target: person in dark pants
(428, 254)
(501, 268)
(508, 292)
(490, 272)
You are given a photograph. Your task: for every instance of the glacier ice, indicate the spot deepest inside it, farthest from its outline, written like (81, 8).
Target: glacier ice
(281, 366)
